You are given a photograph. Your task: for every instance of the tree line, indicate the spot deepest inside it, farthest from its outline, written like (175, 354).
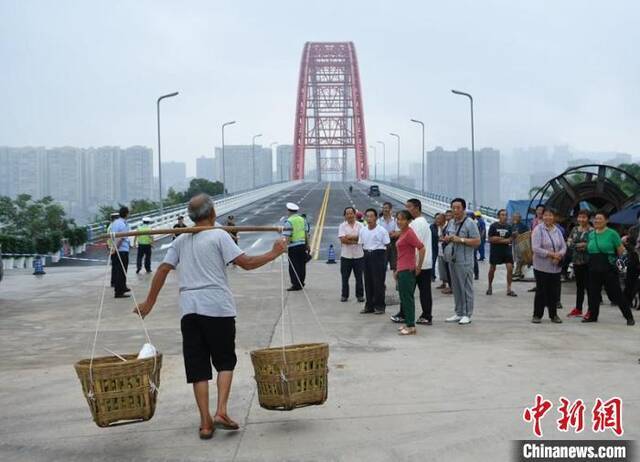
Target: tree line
(36, 226)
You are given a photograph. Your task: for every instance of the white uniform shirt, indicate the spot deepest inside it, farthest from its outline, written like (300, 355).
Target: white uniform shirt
(374, 239)
(421, 227)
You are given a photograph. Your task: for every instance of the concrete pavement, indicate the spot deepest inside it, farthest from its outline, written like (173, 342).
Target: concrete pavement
(451, 393)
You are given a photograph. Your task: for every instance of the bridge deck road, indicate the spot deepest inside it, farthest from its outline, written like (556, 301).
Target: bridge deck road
(271, 210)
(309, 197)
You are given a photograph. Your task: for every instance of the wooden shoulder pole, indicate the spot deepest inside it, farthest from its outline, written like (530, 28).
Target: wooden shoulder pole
(195, 229)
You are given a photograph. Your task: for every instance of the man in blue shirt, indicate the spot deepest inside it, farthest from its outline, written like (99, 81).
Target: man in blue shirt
(482, 227)
(120, 257)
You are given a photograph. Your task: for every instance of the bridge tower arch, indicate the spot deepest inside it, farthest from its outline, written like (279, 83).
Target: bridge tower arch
(329, 114)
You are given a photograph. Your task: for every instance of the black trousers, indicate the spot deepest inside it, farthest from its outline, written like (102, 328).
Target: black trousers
(297, 264)
(476, 269)
(120, 274)
(632, 281)
(582, 273)
(374, 275)
(547, 292)
(423, 281)
(144, 250)
(611, 282)
(347, 265)
(391, 255)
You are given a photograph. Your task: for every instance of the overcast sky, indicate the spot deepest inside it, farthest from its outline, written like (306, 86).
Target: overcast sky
(87, 73)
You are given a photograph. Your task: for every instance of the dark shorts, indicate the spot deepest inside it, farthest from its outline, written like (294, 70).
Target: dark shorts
(207, 340)
(500, 258)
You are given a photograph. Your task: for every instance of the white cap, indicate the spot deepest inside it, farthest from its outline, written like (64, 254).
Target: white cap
(146, 220)
(293, 207)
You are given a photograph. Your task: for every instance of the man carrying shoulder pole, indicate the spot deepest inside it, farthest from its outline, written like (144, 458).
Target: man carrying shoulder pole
(208, 308)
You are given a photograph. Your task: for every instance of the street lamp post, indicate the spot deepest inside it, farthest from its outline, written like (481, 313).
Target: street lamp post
(422, 124)
(473, 151)
(398, 138)
(224, 179)
(169, 95)
(384, 159)
(253, 159)
(375, 162)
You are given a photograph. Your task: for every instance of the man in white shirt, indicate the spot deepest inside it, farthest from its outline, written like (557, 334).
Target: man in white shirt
(374, 239)
(421, 227)
(388, 222)
(351, 254)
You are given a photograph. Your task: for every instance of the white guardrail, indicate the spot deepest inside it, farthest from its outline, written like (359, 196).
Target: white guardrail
(430, 206)
(223, 206)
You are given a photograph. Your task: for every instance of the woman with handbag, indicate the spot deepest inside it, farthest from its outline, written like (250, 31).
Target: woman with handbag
(549, 248)
(604, 246)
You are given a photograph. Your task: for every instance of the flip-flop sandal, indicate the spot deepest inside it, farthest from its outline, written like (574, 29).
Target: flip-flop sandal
(407, 331)
(225, 425)
(511, 293)
(206, 435)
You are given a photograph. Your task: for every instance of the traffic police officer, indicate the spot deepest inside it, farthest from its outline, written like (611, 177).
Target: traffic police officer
(296, 231)
(144, 244)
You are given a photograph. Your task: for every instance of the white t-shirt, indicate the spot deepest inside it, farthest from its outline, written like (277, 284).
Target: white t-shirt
(391, 225)
(204, 288)
(350, 250)
(374, 239)
(420, 226)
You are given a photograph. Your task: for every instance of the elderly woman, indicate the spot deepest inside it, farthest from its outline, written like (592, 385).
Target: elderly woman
(603, 246)
(548, 248)
(407, 269)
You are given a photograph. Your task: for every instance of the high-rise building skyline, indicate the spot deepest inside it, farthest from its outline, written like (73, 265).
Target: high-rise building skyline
(208, 168)
(174, 175)
(81, 179)
(284, 156)
(238, 166)
(450, 173)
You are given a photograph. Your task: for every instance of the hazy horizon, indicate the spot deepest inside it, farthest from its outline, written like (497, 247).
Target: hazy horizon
(88, 74)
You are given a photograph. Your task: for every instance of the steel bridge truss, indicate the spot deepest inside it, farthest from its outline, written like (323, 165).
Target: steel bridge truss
(329, 115)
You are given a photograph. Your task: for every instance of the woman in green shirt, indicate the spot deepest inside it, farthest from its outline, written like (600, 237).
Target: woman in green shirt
(603, 246)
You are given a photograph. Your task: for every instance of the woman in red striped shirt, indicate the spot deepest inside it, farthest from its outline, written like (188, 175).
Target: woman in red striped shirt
(407, 269)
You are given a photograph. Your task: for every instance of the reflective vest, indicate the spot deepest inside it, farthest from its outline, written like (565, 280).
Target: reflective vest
(298, 231)
(109, 241)
(144, 240)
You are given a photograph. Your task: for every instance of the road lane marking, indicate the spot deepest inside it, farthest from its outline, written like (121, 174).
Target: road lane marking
(321, 219)
(317, 232)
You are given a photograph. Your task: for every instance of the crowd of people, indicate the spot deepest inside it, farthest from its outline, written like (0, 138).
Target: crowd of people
(419, 253)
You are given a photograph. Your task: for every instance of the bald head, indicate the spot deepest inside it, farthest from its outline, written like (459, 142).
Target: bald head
(201, 208)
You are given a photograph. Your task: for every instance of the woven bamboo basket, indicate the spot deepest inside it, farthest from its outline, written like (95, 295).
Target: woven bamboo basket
(523, 244)
(294, 379)
(121, 391)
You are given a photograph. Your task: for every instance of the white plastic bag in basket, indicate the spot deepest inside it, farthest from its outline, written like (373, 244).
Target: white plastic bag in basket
(147, 351)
